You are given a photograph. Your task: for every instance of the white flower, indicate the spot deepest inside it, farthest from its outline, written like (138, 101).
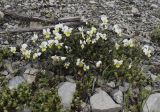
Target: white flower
(98, 64)
(128, 42)
(50, 43)
(67, 31)
(58, 27)
(43, 46)
(80, 62)
(82, 43)
(59, 45)
(34, 37)
(130, 65)
(117, 29)
(23, 47)
(92, 31)
(94, 41)
(117, 46)
(82, 31)
(100, 35)
(104, 19)
(58, 36)
(117, 63)
(27, 54)
(36, 55)
(63, 58)
(66, 65)
(147, 51)
(55, 58)
(13, 49)
(85, 67)
(47, 33)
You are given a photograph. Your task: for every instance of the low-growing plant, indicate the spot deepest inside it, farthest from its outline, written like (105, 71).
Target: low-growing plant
(87, 52)
(155, 35)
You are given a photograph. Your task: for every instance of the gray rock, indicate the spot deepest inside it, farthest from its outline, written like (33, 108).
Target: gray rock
(29, 78)
(1, 15)
(30, 74)
(26, 110)
(152, 104)
(118, 96)
(15, 81)
(125, 87)
(66, 92)
(4, 72)
(9, 67)
(102, 102)
(135, 10)
(31, 71)
(70, 78)
(111, 84)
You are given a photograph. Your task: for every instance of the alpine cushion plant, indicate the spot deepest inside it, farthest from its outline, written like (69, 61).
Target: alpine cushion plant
(89, 51)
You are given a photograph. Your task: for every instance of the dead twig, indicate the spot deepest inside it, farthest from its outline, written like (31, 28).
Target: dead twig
(22, 30)
(37, 19)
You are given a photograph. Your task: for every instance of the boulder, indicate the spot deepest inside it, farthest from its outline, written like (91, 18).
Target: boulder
(152, 104)
(66, 92)
(102, 102)
(118, 96)
(15, 82)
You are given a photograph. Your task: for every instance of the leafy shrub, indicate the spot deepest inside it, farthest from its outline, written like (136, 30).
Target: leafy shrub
(87, 53)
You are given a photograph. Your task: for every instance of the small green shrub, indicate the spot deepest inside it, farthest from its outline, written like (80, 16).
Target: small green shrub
(87, 53)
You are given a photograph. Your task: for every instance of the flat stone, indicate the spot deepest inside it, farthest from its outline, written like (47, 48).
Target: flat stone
(102, 102)
(29, 78)
(118, 96)
(66, 92)
(152, 104)
(15, 82)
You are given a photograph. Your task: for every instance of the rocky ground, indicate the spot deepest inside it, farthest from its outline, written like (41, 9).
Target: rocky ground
(137, 18)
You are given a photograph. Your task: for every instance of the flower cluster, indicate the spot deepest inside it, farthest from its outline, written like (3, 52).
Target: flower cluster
(128, 43)
(13, 49)
(57, 39)
(117, 63)
(57, 59)
(117, 29)
(26, 53)
(80, 63)
(147, 50)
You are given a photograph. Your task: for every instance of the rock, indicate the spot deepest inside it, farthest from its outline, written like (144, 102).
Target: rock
(30, 74)
(1, 15)
(6, 42)
(111, 84)
(154, 6)
(4, 73)
(31, 71)
(70, 78)
(66, 92)
(135, 10)
(152, 104)
(118, 96)
(29, 78)
(102, 102)
(15, 81)
(26, 110)
(153, 77)
(125, 87)
(9, 67)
